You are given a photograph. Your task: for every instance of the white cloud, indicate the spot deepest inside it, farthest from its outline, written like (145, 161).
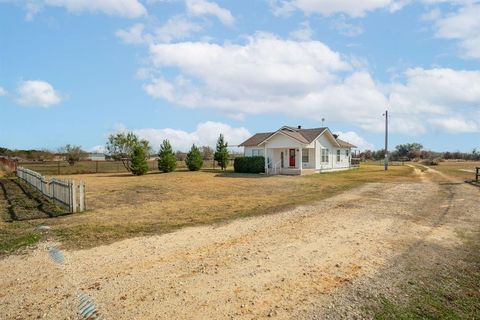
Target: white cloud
(346, 28)
(134, 34)
(206, 134)
(463, 26)
(266, 75)
(32, 7)
(353, 138)
(122, 8)
(306, 79)
(160, 88)
(456, 125)
(303, 33)
(37, 93)
(3, 92)
(442, 97)
(432, 15)
(331, 7)
(204, 7)
(453, 2)
(175, 28)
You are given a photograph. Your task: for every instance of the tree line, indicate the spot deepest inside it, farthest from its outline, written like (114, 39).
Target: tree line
(134, 153)
(416, 151)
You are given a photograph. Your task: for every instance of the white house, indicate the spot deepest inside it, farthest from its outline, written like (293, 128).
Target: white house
(296, 151)
(96, 156)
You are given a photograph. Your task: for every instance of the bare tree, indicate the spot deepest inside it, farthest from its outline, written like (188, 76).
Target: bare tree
(73, 153)
(120, 147)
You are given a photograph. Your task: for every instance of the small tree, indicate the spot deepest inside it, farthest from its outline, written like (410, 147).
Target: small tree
(139, 164)
(194, 159)
(221, 153)
(72, 153)
(120, 147)
(167, 161)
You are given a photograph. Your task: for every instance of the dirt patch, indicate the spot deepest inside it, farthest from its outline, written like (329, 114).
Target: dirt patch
(430, 256)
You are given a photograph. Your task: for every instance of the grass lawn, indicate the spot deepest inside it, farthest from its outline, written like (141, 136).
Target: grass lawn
(122, 205)
(460, 169)
(442, 293)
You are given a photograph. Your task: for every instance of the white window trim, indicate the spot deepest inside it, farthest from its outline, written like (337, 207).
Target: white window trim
(324, 155)
(257, 152)
(305, 153)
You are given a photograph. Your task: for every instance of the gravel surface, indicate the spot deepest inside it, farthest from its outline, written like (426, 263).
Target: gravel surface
(314, 262)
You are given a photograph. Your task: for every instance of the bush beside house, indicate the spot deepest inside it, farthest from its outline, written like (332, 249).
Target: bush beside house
(249, 164)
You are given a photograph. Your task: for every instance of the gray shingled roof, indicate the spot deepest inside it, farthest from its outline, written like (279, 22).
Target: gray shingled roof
(345, 144)
(256, 139)
(305, 136)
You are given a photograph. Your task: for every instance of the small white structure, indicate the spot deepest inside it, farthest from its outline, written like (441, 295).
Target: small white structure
(96, 156)
(296, 151)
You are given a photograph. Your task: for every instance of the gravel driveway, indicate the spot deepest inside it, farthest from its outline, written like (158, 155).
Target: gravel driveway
(314, 261)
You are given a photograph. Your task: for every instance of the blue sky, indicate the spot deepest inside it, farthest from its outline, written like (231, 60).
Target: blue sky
(74, 71)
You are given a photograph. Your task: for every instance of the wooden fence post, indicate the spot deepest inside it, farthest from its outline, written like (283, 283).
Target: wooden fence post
(73, 196)
(82, 196)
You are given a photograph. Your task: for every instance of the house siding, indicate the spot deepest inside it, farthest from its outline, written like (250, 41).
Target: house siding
(282, 141)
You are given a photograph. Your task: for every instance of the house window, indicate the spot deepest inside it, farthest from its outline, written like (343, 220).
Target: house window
(324, 155)
(305, 155)
(338, 155)
(257, 152)
(346, 152)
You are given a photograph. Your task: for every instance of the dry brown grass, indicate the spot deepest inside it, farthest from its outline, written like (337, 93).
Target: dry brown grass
(122, 205)
(462, 170)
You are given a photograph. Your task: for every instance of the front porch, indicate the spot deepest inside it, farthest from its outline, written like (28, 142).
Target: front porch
(295, 172)
(289, 161)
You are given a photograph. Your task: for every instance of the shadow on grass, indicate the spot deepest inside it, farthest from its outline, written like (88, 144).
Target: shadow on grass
(241, 175)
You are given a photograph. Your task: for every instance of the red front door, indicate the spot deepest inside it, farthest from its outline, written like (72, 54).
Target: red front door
(291, 154)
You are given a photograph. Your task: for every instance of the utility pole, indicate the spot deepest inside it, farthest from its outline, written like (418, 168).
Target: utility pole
(386, 139)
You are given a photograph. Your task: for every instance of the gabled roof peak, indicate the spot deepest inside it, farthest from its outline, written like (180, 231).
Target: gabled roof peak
(305, 136)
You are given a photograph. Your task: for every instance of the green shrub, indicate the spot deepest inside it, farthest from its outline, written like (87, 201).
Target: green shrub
(167, 161)
(249, 164)
(194, 159)
(139, 164)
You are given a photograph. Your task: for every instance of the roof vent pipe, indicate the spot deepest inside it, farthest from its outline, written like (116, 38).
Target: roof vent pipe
(299, 127)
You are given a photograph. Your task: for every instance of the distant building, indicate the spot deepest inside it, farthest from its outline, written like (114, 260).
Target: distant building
(95, 156)
(59, 157)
